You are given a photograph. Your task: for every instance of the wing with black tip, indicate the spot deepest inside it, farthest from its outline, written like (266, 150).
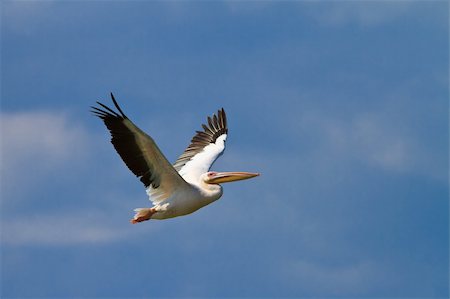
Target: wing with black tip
(139, 151)
(205, 147)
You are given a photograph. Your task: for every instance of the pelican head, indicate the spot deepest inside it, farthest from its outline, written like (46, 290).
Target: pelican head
(213, 177)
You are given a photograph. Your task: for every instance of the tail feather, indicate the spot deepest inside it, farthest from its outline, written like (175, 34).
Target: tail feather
(142, 214)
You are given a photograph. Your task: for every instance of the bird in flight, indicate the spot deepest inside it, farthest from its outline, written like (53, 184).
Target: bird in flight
(178, 189)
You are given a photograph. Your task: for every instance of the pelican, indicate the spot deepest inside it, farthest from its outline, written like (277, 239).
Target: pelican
(174, 190)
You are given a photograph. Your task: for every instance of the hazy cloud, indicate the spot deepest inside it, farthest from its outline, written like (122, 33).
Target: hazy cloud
(364, 13)
(345, 279)
(23, 16)
(34, 143)
(64, 228)
(373, 139)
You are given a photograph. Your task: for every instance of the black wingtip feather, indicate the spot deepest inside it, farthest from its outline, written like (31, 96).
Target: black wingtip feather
(112, 112)
(98, 114)
(224, 120)
(117, 106)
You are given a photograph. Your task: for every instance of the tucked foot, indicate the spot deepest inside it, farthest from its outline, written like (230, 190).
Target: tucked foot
(142, 214)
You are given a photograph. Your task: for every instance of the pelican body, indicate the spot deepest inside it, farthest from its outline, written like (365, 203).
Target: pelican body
(174, 190)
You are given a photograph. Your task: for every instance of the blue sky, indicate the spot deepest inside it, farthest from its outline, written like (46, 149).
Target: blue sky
(342, 106)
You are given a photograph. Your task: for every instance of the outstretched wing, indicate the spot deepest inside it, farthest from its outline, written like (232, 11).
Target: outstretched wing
(139, 151)
(205, 147)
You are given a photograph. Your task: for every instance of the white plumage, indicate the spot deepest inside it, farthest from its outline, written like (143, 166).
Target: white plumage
(175, 190)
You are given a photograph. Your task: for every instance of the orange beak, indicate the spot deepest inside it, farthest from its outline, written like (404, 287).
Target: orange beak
(225, 177)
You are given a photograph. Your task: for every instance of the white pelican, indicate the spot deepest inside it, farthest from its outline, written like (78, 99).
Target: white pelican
(174, 190)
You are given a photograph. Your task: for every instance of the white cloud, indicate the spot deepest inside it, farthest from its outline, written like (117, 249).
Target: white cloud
(48, 135)
(246, 7)
(371, 138)
(39, 133)
(348, 279)
(36, 143)
(365, 13)
(41, 151)
(22, 16)
(381, 144)
(65, 228)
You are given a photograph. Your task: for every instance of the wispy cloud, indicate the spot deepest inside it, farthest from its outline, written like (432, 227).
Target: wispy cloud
(36, 143)
(364, 13)
(49, 134)
(43, 154)
(55, 230)
(20, 16)
(245, 7)
(66, 228)
(372, 139)
(348, 279)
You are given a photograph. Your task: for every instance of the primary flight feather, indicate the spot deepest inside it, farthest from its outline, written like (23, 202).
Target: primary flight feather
(174, 190)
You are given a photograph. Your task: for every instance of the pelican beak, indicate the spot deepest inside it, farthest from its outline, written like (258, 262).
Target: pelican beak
(225, 177)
